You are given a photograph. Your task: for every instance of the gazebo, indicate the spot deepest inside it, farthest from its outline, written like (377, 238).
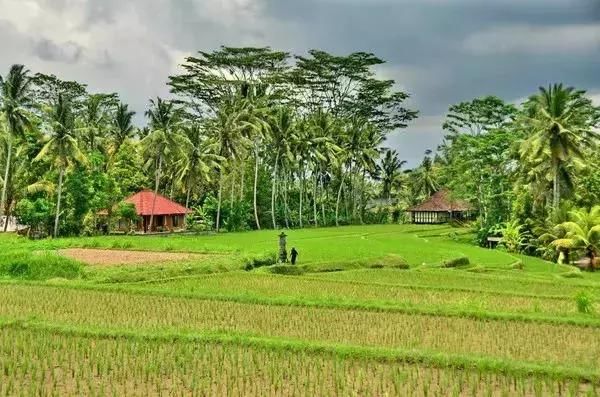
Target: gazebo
(168, 215)
(440, 208)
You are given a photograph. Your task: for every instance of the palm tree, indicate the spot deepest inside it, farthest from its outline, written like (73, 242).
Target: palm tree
(199, 159)
(559, 120)
(281, 128)
(15, 100)
(425, 181)
(390, 167)
(94, 119)
(62, 148)
(581, 232)
(226, 129)
(164, 142)
(121, 127)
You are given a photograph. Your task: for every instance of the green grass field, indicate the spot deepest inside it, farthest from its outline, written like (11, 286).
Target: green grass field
(371, 310)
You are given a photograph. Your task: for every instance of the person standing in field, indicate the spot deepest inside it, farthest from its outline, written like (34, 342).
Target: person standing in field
(294, 255)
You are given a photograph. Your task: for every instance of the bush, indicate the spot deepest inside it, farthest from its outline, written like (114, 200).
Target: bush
(584, 302)
(462, 261)
(288, 270)
(28, 266)
(389, 261)
(518, 265)
(575, 273)
(264, 259)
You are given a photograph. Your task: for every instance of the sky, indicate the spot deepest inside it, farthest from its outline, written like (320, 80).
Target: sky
(440, 51)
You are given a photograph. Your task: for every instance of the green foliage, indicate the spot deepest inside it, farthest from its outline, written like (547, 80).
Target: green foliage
(259, 260)
(37, 214)
(585, 303)
(38, 266)
(288, 270)
(456, 262)
(514, 237)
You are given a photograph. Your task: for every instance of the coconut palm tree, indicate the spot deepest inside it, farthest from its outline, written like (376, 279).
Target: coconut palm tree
(559, 121)
(15, 101)
(199, 159)
(425, 178)
(281, 129)
(226, 128)
(581, 232)
(390, 167)
(121, 127)
(164, 143)
(61, 149)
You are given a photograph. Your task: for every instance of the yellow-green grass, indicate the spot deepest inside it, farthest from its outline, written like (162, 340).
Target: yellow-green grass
(38, 362)
(565, 345)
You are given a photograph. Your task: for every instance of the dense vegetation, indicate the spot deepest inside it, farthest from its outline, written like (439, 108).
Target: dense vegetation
(254, 137)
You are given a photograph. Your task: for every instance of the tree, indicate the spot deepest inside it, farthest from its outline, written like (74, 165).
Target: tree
(62, 148)
(581, 232)
(15, 104)
(164, 143)
(479, 116)
(95, 118)
(121, 127)
(425, 178)
(390, 167)
(200, 157)
(559, 123)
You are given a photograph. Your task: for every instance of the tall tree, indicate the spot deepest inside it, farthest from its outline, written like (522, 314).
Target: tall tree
(479, 116)
(15, 105)
(558, 121)
(62, 148)
(121, 127)
(164, 142)
(390, 169)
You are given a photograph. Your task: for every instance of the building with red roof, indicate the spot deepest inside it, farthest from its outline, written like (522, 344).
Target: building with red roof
(166, 214)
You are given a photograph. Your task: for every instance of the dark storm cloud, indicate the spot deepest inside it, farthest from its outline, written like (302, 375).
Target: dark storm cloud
(440, 51)
(48, 50)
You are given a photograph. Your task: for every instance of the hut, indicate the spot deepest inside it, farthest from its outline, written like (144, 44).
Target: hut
(440, 208)
(168, 215)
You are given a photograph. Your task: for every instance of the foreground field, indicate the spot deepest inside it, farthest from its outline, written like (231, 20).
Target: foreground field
(200, 325)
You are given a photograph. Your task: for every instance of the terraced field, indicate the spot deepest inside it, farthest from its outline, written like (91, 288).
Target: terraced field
(203, 328)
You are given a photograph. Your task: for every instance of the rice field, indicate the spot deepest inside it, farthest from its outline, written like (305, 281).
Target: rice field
(203, 328)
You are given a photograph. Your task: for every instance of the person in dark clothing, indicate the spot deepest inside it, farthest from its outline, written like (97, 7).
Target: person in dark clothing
(293, 254)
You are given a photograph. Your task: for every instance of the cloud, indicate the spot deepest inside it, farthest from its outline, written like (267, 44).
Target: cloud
(48, 50)
(527, 39)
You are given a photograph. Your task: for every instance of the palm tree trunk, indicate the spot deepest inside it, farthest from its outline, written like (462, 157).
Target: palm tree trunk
(315, 199)
(6, 173)
(156, 184)
(8, 214)
(339, 197)
(323, 199)
(556, 187)
(219, 198)
(57, 216)
(231, 195)
(242, 179)
(273, 188)
(285, 200)
(254, 199)
(301, 195)
(189, 192)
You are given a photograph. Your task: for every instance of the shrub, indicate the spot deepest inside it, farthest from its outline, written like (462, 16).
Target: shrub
(518, 265)
(28, 266)
(461, 261)
(584, 302)
(575, 273)
(260, 260)
(288, 270)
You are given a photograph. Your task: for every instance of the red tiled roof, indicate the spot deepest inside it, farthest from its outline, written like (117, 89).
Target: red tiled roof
(143, 204)
(441, 202)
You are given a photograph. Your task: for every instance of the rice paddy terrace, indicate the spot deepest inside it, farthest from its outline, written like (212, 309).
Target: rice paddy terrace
(374, 310)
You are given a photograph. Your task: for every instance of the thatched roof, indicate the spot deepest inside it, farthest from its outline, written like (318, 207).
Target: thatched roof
(441, 202)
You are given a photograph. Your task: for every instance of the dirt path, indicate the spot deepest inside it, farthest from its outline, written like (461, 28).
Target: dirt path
(105, 257)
